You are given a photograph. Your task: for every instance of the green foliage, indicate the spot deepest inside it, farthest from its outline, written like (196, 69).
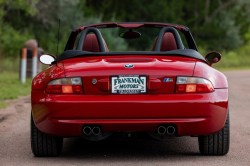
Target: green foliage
(112, 40)
(41, 23)
(24, 5)
(11, 87)
(215, 25)
(9, 64)
(11, 40)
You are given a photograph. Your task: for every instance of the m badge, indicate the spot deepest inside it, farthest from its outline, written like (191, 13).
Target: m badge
(168, 80)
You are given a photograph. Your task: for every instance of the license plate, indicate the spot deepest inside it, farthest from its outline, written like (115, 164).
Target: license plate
(128, 84)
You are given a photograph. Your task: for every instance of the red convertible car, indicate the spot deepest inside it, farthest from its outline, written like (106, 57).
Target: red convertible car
(91, 92)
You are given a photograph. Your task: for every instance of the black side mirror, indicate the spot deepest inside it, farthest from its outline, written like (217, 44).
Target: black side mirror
(213, 57)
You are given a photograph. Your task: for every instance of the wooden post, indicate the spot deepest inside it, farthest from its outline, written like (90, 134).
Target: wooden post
(23, 65)
(34, 62)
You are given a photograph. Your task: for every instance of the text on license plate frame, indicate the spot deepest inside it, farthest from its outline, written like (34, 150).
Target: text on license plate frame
(128, 84)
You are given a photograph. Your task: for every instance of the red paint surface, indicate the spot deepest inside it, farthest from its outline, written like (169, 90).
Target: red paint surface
(159, 67)
(154, 84)
(43, 78)
(194, 114)
(218, 79)
(65, 114)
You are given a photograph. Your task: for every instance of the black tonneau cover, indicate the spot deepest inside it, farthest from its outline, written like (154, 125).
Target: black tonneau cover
(180, 52)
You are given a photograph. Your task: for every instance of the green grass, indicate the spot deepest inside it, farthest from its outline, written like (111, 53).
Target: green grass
(11, 87)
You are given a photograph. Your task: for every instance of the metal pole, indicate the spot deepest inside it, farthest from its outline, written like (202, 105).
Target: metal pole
(23, 65)
(34, 62)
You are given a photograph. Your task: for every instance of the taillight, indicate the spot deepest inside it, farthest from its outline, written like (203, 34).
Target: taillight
(193, 85)
(65, 86)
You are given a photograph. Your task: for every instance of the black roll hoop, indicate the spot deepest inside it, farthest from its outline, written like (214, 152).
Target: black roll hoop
(161, 35)
(98, 36)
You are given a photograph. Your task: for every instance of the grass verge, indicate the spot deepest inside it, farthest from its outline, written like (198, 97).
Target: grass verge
(11, 87)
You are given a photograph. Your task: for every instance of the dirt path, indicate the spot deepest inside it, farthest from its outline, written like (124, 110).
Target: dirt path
(15, 141)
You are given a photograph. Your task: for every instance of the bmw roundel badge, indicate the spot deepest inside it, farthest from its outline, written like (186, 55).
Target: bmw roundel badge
(128, 66)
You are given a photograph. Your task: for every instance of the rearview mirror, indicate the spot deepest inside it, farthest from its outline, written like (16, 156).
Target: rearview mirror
(46, 59)
(213, 57)
(130, 34)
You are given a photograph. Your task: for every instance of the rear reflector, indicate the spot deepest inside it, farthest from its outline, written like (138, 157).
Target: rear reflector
(193, 85)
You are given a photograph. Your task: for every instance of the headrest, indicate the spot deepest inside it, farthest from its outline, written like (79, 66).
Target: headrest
(91, 44)
(168, 42)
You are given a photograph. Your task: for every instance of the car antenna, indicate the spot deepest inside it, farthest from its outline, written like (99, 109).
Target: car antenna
(58, 41)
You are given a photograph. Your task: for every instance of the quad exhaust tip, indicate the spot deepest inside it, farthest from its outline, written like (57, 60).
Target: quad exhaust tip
(88, 130)
(96, 130)
(170, 130)
(162, 130)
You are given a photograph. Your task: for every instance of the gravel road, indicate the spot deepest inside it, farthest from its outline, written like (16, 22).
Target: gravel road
(15, 139)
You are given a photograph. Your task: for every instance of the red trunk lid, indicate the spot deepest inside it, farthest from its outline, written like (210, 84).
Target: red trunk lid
(158, 70)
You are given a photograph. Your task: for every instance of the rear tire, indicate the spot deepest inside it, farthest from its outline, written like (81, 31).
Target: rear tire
(43, 145)
(218, 143)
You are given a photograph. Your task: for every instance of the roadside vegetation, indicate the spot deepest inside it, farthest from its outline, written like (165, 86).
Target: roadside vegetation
(12, 88)
(217, 25)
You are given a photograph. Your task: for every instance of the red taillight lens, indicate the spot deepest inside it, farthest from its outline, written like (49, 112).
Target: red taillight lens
(54, 89)
(180, 88)
(204, 88)
(77, 89)
(65, 86)
(192, 85)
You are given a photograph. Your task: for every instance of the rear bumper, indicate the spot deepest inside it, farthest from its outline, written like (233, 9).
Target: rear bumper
(193, 114)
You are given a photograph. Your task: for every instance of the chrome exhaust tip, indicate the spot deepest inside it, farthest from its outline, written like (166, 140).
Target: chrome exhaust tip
(96, 130)
(170, 130)
(161, 130)
(87, 130)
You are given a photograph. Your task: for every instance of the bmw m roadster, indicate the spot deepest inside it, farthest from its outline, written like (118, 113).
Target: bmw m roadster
(168, 91)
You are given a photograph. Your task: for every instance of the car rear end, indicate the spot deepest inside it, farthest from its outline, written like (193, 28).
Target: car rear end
(158, 95)
(166, 92)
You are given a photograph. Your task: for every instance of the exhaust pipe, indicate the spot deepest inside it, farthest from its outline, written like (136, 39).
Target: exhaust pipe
(162, 130)
(96, 130)
(170, 130)
(87, 130)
